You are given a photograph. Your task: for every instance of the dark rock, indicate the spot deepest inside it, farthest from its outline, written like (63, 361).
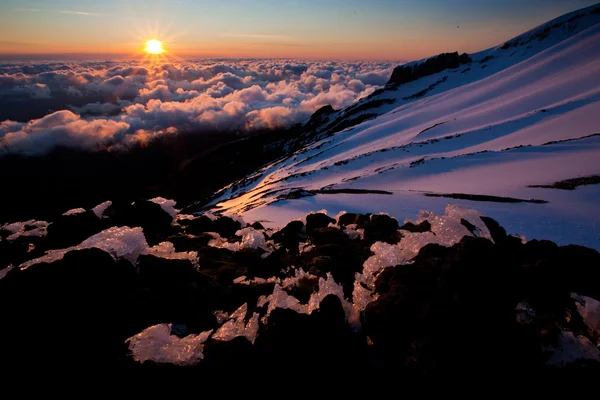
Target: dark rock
(290, 235)
(470, 227)
(351, 218)
(157, 224)
(83, 298)
(257, 226)
(381, 228)
(198, 225)
(408, 73)
(424, 226)
(190, 243)
(226, 227)
(328, 235)
(70, 230)
(318, 220)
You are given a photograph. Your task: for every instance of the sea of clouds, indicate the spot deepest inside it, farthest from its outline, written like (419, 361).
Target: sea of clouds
(113, 105)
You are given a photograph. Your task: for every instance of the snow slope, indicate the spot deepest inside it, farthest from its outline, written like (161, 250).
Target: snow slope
(523, 113)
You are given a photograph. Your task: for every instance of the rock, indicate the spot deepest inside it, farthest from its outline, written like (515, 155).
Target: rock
(318, 220)
(226, 227)
(190, 243)
(257, 226)
(70, 230)
(424, 226)
(330, 235)
(198, 225)
(290, 235)
(411, 72)
(381, 228)
(82, 299)
(351, 218)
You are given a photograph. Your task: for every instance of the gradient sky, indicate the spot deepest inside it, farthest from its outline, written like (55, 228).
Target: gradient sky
(324, 29)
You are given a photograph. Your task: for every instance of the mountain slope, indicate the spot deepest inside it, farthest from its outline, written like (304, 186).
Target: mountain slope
(521, 114)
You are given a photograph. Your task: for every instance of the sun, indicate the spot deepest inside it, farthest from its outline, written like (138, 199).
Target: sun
(154, 46)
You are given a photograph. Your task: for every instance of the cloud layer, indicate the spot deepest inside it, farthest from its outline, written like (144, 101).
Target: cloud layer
(100, 105)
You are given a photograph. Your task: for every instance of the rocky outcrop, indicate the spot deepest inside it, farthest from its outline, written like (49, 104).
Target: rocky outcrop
(408, 73)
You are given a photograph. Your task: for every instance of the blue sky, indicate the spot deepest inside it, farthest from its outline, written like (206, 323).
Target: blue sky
(349, 29)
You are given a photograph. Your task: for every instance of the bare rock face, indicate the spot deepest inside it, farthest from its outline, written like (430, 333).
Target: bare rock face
(404, 74)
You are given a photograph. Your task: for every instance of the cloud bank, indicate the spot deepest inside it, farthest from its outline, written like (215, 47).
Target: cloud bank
(110, 105)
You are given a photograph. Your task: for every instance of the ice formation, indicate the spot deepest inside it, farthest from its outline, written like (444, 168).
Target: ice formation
(167, 250)
(167, 205)
(242, 280)
(572, 348)
(251, 239)
(18, 229)
(292, 281)
(329, 286)
(119, 242)
(74, 211)
(280, 299)
(354, 233)
(236, 326)
(101, 208)
(157, 344)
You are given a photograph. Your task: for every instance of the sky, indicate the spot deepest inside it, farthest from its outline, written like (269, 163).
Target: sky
(311, 29)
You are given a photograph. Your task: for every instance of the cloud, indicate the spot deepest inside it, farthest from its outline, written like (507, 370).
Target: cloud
(256, 36)
(80, 13)
(113, 105)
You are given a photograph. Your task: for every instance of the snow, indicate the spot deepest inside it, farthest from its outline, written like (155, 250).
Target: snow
(484, 131)
(74, 211)
(167, 205)
(236, 326)
(101, 208)
(157, 344)
(120, 242)
(18, 229)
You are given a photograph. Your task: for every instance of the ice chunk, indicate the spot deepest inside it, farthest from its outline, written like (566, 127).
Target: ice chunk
(167, 205)
(251, 238)
(361, 296)
(456, 212)
(589, 309)
(167, 250)
(292, 281)
(280, 299)
(101, 208)
(262, 300)
(5, 271)
(412, 243)
(119, 242)
(385, 255)
(210, 216)
(74, 211)
(222, 243)
(242, 280)
(236, 326)
(328, 286)
(181, 217)
(157, 344)
(26, 228)
(354, 233)
(572, 348)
